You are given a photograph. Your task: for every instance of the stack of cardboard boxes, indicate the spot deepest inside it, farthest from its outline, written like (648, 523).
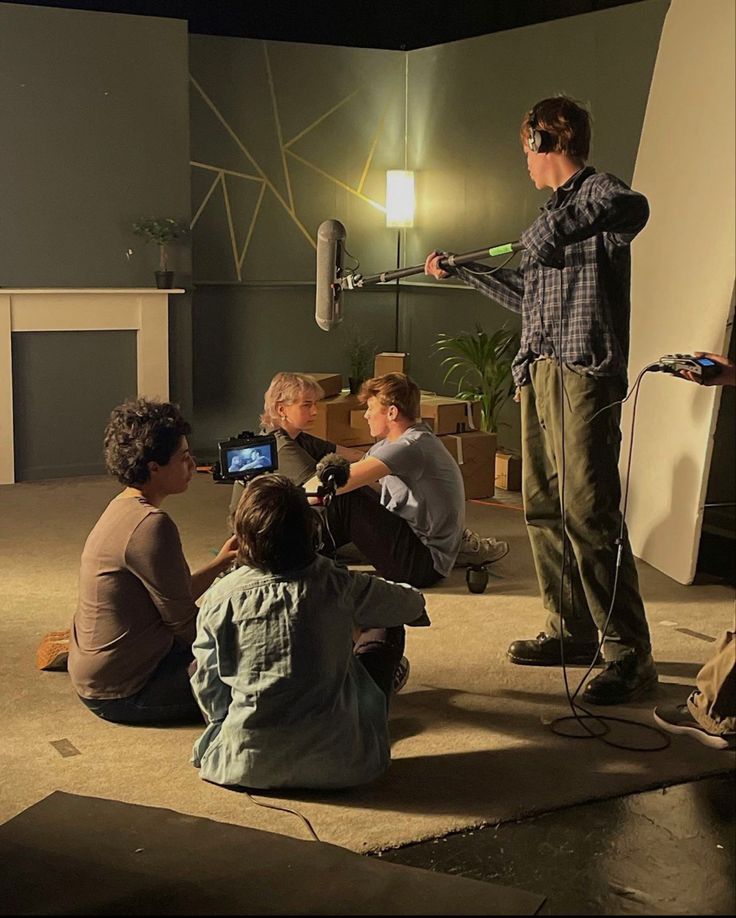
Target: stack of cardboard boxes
(456, 422)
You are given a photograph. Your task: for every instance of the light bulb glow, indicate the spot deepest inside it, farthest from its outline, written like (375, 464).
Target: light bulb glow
(399, 198)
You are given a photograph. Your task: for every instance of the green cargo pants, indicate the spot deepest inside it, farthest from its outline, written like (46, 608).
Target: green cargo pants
(592, 494)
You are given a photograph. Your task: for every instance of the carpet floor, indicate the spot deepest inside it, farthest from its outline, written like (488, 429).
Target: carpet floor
(471, 737)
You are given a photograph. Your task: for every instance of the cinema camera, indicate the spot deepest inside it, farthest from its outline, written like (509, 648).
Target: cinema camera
(245, 456)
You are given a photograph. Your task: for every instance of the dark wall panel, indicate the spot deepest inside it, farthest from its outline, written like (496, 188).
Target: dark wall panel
(65, 384)
(94, 109)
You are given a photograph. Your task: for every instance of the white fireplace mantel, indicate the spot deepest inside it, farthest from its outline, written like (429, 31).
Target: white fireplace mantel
(144, 310)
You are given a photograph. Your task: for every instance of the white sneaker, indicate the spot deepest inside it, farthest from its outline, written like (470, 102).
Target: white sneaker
(476, 550)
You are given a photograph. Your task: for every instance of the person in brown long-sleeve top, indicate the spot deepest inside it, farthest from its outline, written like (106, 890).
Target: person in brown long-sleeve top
(131, 637)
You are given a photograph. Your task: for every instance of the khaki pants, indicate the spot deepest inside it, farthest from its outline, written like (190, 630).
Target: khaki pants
(713, 704)
(592, 493)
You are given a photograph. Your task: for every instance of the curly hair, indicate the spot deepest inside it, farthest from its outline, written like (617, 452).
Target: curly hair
(287, 388)
(274, 525)
(141, 431)
(566, 121)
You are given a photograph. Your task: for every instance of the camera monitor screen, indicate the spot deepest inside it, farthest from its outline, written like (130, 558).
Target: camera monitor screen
(245, 458)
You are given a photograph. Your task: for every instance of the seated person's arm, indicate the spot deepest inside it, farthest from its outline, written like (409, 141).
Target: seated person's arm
(364, 473)
(154, 555)
(212, 694)
(204, 576)
(380, 603)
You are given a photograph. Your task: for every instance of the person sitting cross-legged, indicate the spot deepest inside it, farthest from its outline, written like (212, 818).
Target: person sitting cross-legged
(290, 699)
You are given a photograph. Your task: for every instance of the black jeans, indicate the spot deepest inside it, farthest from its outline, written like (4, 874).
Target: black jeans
(386, 539)
(165, 699)
(379, 651)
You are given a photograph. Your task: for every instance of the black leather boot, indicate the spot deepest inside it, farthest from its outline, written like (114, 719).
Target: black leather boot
(544, 650)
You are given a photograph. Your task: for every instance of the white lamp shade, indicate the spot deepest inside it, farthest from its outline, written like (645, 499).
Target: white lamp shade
(399, 198)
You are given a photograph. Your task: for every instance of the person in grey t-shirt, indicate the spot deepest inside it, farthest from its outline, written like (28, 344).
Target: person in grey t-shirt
(414, 530)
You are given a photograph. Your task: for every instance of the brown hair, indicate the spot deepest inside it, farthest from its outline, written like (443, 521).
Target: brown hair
(287, 388)
(566, 121)
(393, 389)
(141, 431)
(274, 525)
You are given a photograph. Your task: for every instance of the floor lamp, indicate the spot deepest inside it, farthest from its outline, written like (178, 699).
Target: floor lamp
(400, 204)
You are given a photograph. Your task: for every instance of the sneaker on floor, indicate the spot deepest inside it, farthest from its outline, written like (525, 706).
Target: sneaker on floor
(476, 550)
(678, 719)
(401, 675)
(628, 678)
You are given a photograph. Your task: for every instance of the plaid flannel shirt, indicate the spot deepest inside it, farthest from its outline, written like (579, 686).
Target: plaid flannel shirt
(572, 286)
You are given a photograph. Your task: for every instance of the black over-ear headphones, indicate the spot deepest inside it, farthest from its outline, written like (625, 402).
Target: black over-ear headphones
(538, 140)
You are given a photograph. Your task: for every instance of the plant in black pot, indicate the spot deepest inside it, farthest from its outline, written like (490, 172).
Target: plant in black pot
(361, 352)
(163, 231)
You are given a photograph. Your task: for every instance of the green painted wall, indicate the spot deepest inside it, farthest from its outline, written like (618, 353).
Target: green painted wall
(285, 136)
(95, 124)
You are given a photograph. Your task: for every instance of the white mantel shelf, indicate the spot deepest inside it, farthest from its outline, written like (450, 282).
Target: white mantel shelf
(144, 310)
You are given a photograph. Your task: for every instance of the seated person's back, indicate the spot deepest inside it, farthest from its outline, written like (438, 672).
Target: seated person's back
(287, 701)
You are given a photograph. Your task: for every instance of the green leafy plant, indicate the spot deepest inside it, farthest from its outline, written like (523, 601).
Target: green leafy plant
(161, 230)
(481, 365)
(361, 352)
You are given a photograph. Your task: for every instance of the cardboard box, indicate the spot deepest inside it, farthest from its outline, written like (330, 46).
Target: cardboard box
(359, 423)
(331, 382)
(390, 362)
(333, 421)
(447, 415)
(475, 453)
(508, 471)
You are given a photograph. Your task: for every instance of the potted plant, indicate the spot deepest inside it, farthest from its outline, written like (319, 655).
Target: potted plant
(483, 365)
(163, 231)
(361, 352)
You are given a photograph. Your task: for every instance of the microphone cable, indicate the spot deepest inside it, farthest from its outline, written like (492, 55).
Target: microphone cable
(601, 721)
(284, 809)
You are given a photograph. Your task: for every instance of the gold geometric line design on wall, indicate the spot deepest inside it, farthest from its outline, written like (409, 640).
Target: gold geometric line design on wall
(337, 181)
(218, 178)
(231, 228)
(320, 119)
(251, 227)
(372, 150)
(262, 176)
(254, 178)
(221, 118)
(279, 132)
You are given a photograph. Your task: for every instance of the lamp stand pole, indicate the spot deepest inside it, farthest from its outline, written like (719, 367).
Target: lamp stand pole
(398, 290)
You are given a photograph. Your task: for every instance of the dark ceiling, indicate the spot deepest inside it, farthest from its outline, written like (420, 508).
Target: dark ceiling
(392, 24)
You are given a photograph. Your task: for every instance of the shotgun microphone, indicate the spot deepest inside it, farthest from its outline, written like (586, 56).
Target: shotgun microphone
(328, 296)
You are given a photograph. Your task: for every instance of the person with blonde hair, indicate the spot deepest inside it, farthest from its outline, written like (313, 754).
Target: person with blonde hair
(289, 410)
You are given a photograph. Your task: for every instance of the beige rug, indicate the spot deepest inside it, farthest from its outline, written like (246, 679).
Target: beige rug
(471, 737)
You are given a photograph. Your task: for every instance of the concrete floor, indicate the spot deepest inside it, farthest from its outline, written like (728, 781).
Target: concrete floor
(665, 852)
